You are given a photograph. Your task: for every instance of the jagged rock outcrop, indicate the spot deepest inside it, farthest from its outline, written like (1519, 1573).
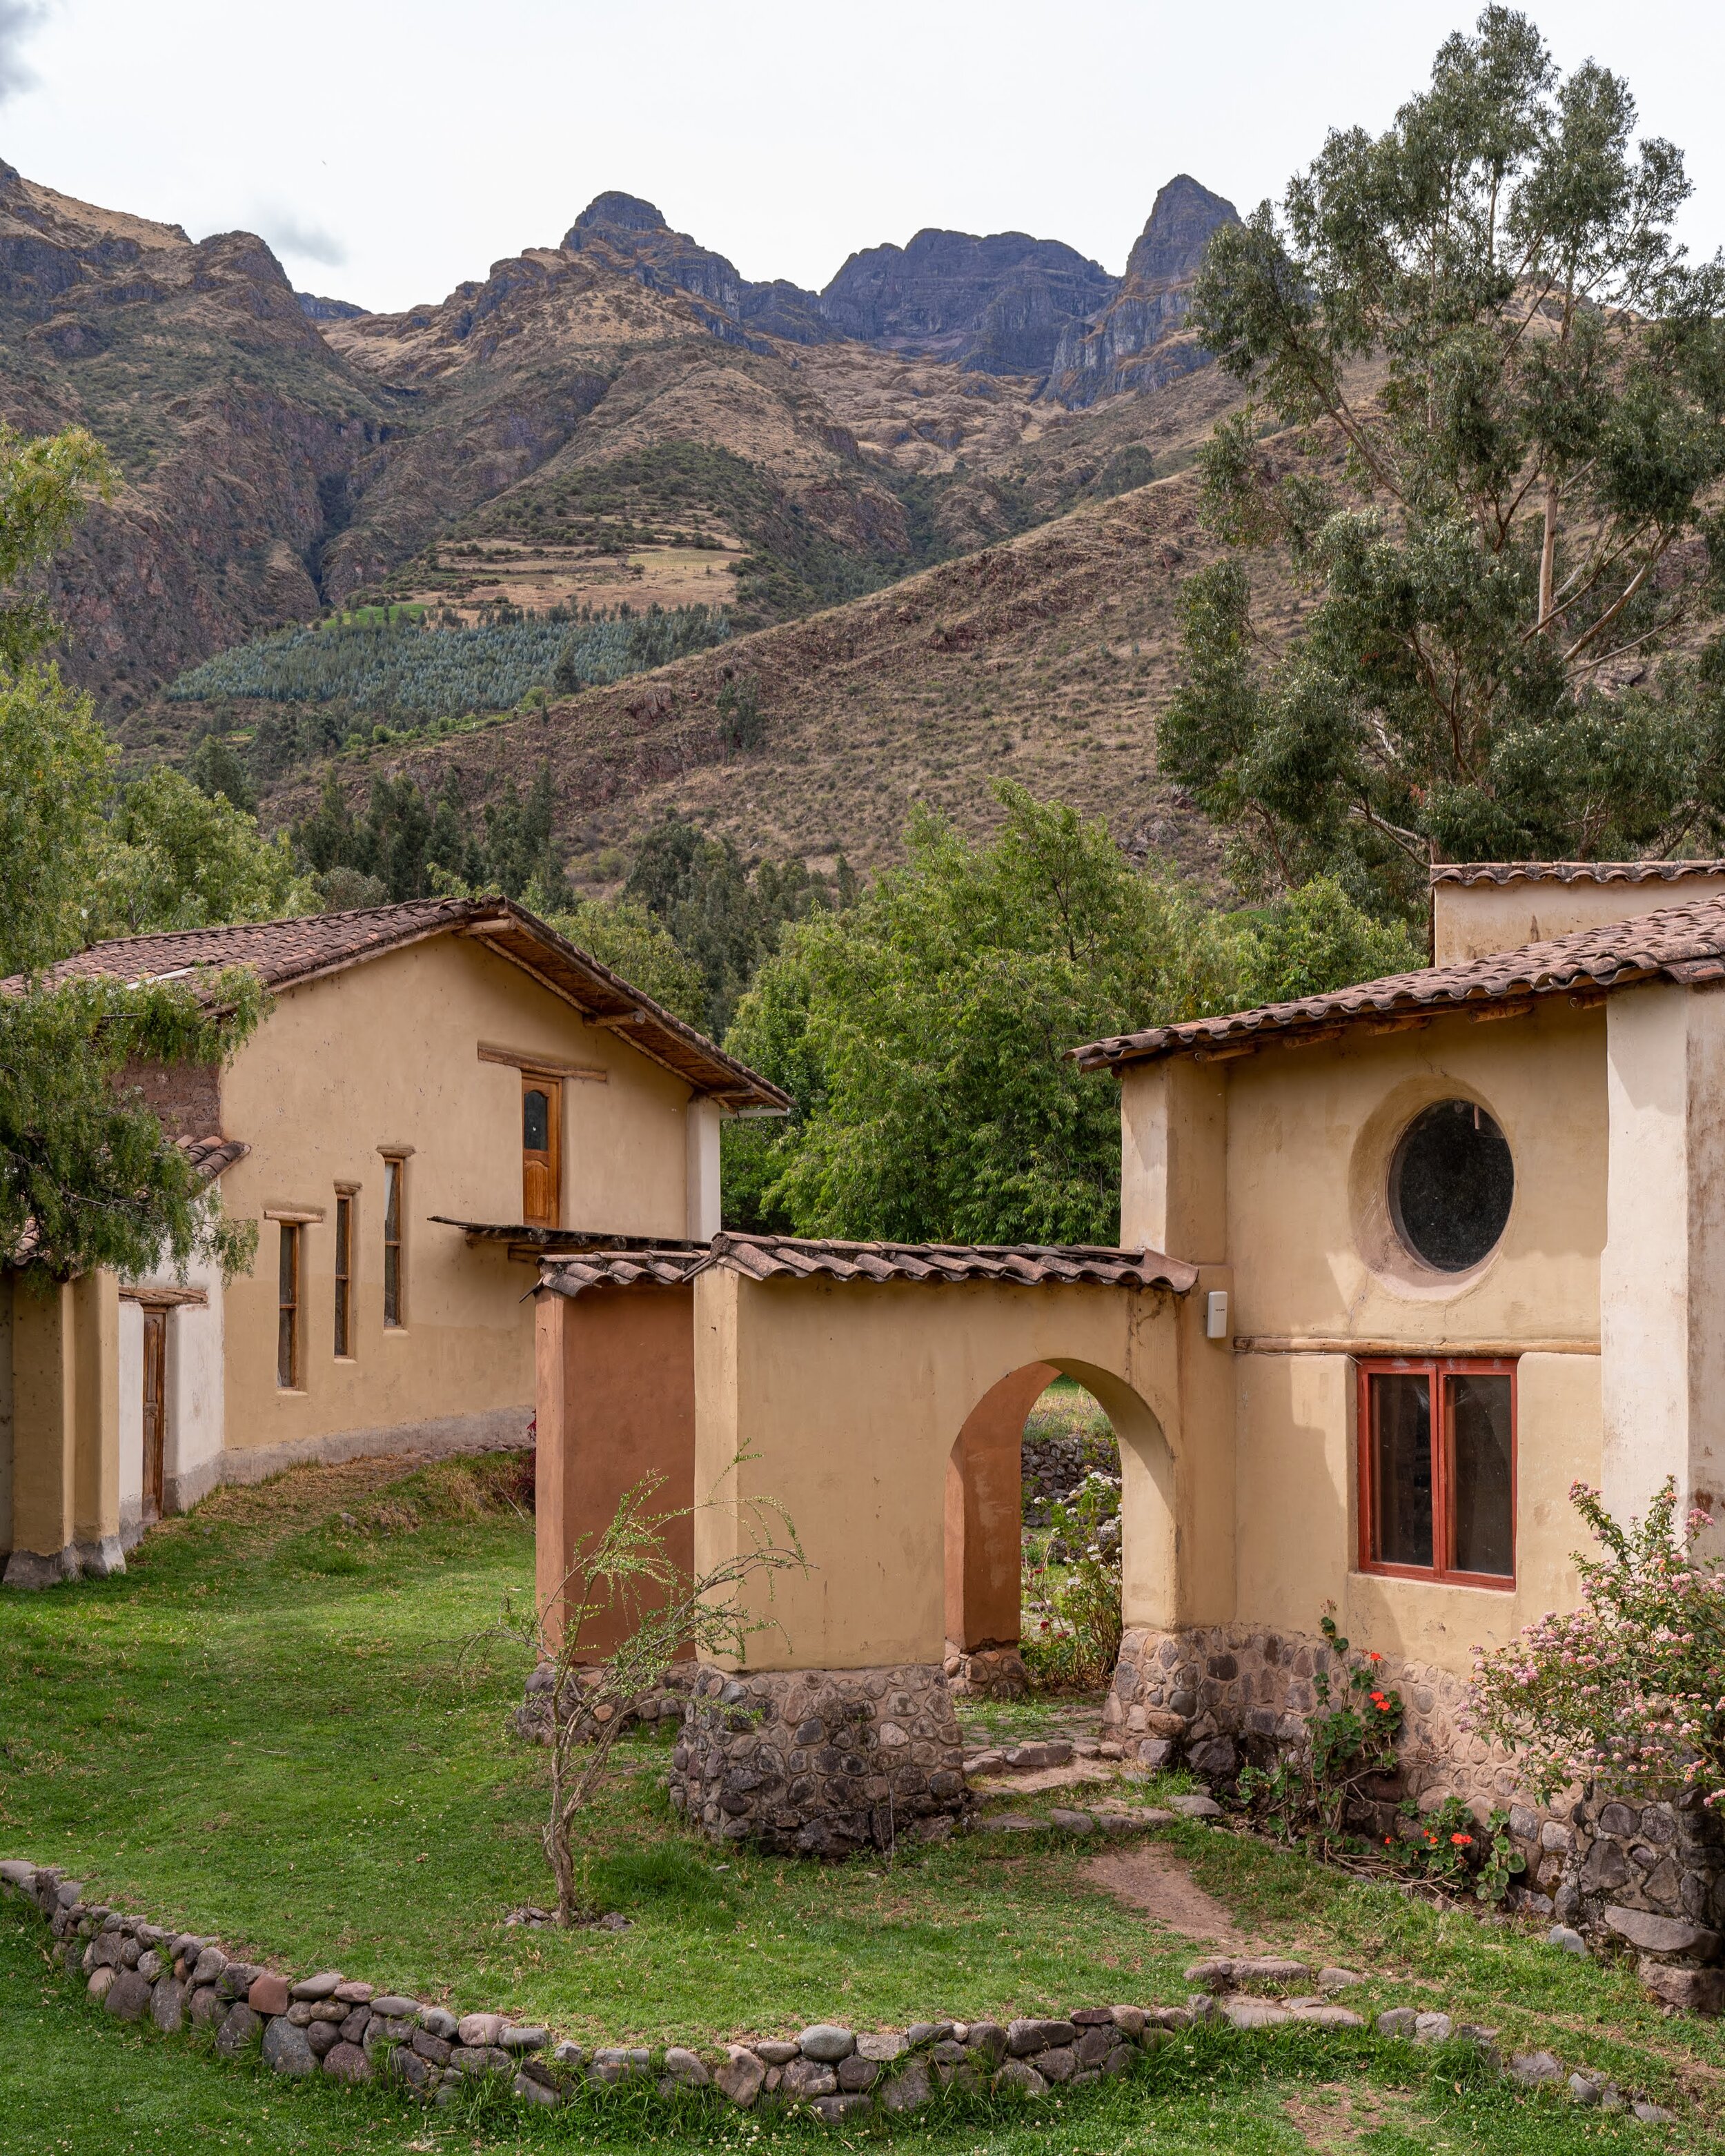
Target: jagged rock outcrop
(1137, 342)
(999, 304)
(632, 235)
(317, 309)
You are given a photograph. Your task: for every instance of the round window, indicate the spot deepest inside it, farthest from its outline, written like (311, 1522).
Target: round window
(1451, 1184)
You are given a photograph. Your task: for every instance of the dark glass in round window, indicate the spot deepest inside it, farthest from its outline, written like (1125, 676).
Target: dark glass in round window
(1451, 1184)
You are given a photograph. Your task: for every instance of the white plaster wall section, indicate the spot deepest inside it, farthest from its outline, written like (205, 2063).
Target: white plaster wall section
(702, 1138)
(1644, 1269)
(1143, 1159)
(1706, 1481)
(6, 1412)
(130, 1381)
(195, 1392)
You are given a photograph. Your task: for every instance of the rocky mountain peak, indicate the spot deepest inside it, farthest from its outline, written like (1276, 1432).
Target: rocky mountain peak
(614, 213)
(1139, 339)
(995, 303)
(1171, 246)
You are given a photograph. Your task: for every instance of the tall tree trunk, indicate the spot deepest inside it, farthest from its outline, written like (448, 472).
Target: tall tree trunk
(1549, 552)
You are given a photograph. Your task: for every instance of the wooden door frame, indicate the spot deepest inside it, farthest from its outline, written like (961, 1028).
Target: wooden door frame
(548, 1083)
(154, 1445)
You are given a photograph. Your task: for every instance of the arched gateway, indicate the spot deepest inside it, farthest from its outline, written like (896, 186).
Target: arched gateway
(845, 1380)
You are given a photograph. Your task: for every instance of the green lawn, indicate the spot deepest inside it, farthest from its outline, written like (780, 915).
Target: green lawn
(266, 1730)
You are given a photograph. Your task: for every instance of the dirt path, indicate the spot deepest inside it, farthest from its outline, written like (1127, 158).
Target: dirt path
(1151, 1877)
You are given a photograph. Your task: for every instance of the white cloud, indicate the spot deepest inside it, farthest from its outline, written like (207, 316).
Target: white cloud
(290, 234)
(19, 22)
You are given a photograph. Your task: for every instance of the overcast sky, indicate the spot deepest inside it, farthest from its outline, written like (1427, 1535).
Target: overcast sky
(388, 150)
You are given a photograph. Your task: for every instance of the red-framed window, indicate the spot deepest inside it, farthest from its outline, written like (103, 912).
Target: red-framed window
(1437, 1469)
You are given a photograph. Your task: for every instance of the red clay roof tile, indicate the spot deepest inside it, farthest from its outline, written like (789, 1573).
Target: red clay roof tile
(1681, 943)
(795, 1257)
(286, 953)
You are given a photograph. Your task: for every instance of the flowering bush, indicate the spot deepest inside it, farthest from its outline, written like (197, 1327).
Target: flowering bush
(1629, 1689)
(1072, 1621)
(1350, 1736)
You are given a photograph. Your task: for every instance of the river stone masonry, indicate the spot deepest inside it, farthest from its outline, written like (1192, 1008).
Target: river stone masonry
(354, 2033)
(1649, 1877)
(821, 1762)
(1227, 1692)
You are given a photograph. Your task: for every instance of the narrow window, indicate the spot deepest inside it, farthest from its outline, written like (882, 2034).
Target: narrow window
(541, 1170)
(1437, 1470)
(344, 1272)
(393, 1171)
(287, 1316)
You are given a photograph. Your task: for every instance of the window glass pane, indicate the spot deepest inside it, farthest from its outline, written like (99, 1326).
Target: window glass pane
(1480, 1474)
(391, 1243)
(1450, 1185)
(536, 1121)
(1401, 1469)
(287, 1344)
(344, 1249)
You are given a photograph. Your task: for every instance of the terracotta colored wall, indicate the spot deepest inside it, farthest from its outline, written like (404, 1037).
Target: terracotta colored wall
(984, 1514)
(616, 1390)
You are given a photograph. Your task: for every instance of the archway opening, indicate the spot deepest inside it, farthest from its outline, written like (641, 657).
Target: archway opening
(1059, 1530)
(1070, 1569)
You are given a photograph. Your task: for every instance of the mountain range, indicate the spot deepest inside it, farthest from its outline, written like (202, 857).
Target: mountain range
(621, 417)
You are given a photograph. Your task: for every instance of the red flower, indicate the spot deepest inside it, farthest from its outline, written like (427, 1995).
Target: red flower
(1462, 1841)
(1374, 1657)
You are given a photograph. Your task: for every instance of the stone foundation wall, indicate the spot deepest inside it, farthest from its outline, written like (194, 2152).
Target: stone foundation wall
(533, 1718)
(1651, 1876)
(1219, 1695)
(821, 1762)
(1053, 1463)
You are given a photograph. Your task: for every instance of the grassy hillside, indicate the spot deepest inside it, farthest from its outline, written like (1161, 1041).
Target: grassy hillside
(1044, 658)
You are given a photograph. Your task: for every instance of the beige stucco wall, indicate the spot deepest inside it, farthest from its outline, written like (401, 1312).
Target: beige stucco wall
(1277, 1164)
(1299, 1511)
(386, 1055)
(1470, 920)
(849, 1398)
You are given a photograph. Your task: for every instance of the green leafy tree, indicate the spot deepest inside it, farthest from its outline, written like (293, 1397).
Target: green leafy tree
(924, 1034)
(727, 917)
(87, 1176)
(174, 857)
(1501, 390)
(626, 937)
(216, 767)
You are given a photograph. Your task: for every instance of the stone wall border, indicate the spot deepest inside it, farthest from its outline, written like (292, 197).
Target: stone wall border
(355, 2034)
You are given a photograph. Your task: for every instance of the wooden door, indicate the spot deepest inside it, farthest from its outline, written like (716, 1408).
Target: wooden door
(541, 1149)
(155, 1409)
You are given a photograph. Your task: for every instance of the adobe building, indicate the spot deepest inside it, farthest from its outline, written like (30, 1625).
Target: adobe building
(437, 1091)
(1400, 1264)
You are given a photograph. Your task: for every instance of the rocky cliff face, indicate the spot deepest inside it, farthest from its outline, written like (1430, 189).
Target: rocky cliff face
(1136, 341)
(631, 235)
(238, 434)
(997, 305)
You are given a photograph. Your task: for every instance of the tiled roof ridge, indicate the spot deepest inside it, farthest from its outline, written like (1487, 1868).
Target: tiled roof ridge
(1504, 872)
(1680, 943)
(767, 1257)
(294, 952)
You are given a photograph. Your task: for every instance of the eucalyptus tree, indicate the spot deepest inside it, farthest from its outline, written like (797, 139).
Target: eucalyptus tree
(1485, 437)
(87, 1175)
